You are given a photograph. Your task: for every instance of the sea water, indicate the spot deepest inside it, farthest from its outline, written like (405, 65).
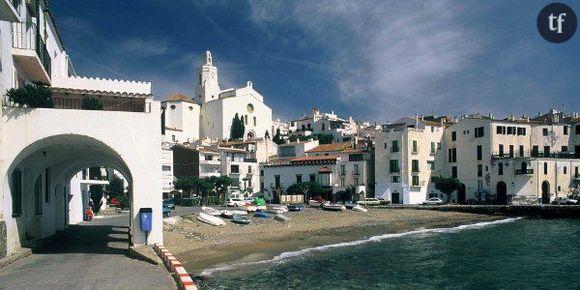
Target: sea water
(506, 254)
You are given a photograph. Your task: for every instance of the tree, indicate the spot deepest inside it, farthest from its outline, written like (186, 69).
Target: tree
(92, 103)
(446, 185)
(308, 189)
(277, 139)
(184, 184)
(116, 187)
(32, 96)
(237, 129)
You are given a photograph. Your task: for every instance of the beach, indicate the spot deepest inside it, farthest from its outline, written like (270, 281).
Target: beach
(201, 246)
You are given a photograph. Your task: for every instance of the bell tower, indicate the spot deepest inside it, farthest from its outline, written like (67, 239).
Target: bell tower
(208, 88)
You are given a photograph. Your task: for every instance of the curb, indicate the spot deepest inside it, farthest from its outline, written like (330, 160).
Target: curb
(181, 276)
(22, 253)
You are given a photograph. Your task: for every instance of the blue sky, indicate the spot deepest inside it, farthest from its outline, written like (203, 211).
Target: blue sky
(374, 60)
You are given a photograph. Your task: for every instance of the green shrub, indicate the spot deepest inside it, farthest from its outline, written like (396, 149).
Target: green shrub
(31, 96)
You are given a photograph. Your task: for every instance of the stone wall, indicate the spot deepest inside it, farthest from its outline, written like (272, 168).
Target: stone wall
(3, 239)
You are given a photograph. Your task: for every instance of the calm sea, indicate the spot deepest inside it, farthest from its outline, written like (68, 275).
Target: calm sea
(511, 254)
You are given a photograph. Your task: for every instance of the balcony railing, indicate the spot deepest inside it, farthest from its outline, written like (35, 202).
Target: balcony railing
(524, 171)
(25, 36)
(536, 154)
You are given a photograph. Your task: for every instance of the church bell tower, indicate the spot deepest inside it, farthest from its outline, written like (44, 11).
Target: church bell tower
(208, 88)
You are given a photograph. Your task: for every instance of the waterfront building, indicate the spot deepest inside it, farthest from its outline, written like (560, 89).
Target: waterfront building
(324, 124)
(42, 149)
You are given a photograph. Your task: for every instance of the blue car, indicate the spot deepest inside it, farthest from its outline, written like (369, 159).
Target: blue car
(166, 211)
(169, 203)
(295, 207)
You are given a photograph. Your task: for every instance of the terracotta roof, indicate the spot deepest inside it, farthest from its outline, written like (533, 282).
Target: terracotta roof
(314, 158)
(179, 97)
(324, 170)
(331, 147)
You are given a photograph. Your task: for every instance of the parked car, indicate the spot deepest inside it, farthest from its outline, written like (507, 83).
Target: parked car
(564, 200)
(166, 211)
(236, 202)
(295, 207)
(369, 201)
(433, 201)
(349, 204)
(169, 203)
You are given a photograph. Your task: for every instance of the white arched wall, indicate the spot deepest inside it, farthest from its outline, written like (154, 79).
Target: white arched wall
(126, 141)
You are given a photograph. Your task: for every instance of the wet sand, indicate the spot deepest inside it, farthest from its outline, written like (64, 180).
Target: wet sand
(200, 246)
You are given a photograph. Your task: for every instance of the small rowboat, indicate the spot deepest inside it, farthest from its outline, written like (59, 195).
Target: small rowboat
(211, 211)
(238, 219)
(227, 214)
(282, 218)
(262, 214)
(333, 207)
(208, 219)
(239, 212)
(251, 208)
(295, 207)
(359, 208)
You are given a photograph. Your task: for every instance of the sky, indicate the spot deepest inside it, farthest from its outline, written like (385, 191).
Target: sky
(373, 60)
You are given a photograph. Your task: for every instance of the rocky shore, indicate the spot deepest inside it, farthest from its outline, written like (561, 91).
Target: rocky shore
(200, 246)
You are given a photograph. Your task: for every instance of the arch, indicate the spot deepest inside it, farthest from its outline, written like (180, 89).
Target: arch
(461, 195)
(251, 134)
(501, 192)
(546, 196)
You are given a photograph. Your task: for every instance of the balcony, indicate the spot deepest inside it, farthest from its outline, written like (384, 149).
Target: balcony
(524, 171)
(30, 54)
(9, 10)
(535, 154)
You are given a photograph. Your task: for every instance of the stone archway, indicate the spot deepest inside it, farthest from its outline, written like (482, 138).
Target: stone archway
(546, 192)
(501, 192)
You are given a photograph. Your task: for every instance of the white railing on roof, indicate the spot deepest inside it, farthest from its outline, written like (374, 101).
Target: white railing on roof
(103, 85)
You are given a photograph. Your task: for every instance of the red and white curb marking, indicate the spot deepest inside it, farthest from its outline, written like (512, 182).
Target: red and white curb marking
(182, 278)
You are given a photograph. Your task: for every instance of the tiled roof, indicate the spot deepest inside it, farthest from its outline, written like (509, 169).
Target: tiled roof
(179, 97)
(324, 170)
(331, 147)
(314, 158)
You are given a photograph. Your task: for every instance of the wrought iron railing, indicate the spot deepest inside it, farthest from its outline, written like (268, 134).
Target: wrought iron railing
(535, 154)
(524, 171)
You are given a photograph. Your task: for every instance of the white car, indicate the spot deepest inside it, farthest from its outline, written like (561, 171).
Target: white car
(369, 201)
(235, 202)
(433, 201)
(564, 200)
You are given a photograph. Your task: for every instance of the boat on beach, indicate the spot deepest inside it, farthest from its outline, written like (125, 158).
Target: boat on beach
(333, 207)
(278, 208)
(359, 208)
(282, 218)
(239, 212)
(251, 208)
(211, 211)
(262, 214)
(208, 219)
(295, 207)
(238, 219)
(227, 214)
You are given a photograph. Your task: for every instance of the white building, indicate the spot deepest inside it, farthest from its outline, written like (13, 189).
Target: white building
(42, 149)
(219, 107)
(180, 119)
(324, 124)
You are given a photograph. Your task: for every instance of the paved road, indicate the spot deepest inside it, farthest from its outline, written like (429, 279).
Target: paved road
(86, 256)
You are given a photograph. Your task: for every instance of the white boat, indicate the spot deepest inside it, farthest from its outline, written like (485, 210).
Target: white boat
(281, 217)
(314, 203)
(208, 219)
(227, 214)
(333, 207)
(278, 208)
(211, 211)
(239, 212)
(359, 208)
(276, 211)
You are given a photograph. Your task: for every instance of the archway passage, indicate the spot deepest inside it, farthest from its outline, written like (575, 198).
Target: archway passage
(501, 191)
(545, 192)
(461, 198)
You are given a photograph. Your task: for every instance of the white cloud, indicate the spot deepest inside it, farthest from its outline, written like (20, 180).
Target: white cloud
(387, 57)
(141, 47)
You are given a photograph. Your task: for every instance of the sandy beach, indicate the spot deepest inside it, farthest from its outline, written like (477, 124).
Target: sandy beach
(200, 246)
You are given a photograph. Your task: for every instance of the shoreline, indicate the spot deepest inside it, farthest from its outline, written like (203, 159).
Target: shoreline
(201, 247)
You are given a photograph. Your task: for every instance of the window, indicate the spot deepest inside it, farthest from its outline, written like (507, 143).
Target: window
(38, 196)
(564, 148)
(545, 167)
(577, 130)
(415, 147)
(454, 171)
(453, 155)
(17, 192)
(356, 169)
(500, 169)
(438, 145)
(433, 149)
(250, 108)
(298, 178)
(323, 126)
(500, 130)
(565, 130)
(511, 151)
(535, 151)
(511, 130)
(479, 152)
(342, 181)
(395, 146)
(261, 172)
(249, 169)
(415, 166)
(385, 145)
(479, 132)
(165, 168)
(277, 181)
(394, 166)
(235, 168)
(415, 180)
(342, 169)
(47, 185)
(501, 149)
(479, 170)
(521, 131)
(312, 177)
(173, 138)
(450, 155)
(395, 179)
(565, 170)
(453, 135)
(431, 165)
(355, 157)
(547, 151)
(521, 150)
(356, 181)
(255, 121)
(545, 131)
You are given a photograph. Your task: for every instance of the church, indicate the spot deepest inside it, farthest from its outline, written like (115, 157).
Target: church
(209, 114)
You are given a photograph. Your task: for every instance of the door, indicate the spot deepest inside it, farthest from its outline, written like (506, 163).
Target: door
(461, 194)
(501, 192)
(395, 198)
(545, 192)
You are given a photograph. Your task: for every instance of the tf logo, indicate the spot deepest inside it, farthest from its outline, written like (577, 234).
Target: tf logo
(557, 22)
